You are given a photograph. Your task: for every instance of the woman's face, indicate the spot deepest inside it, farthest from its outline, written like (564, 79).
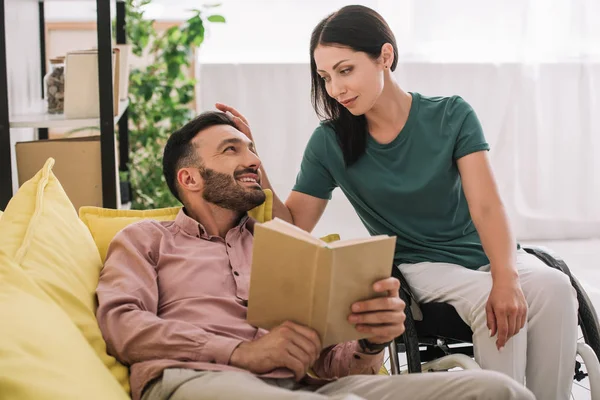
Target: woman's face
(352, 78)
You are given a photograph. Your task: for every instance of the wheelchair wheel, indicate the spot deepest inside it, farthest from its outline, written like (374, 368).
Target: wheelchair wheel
(409, 341)
(586, 315)
(588, 318)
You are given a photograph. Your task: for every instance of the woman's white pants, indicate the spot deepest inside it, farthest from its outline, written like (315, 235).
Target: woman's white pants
(542, 354)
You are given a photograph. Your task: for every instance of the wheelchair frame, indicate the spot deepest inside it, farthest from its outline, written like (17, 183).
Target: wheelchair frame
(439, 356)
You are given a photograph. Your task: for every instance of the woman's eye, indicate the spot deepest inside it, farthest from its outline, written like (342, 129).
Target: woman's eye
(325, 78)
(345, 71)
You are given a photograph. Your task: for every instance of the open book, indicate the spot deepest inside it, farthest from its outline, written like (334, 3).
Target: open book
(300, 278)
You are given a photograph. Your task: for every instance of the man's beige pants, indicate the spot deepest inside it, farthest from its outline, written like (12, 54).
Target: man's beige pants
(542, 353)
(185, 384)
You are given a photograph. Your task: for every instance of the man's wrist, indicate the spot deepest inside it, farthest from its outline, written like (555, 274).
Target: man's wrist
(368, 347)
(237, 357)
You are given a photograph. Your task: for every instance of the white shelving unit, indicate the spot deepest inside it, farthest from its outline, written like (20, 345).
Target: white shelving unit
(38, 118)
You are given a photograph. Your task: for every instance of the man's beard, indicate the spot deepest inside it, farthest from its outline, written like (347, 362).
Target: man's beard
(224, 191)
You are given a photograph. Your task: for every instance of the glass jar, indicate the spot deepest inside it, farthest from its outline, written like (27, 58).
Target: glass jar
(54, 85)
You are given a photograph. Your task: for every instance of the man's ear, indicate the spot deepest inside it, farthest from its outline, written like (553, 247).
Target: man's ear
(189, 179)
(387, 55)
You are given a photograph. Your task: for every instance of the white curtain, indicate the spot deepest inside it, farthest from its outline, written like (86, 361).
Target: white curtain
(531, 70)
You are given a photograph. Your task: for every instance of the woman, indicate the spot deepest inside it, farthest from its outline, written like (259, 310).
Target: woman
(417, 167)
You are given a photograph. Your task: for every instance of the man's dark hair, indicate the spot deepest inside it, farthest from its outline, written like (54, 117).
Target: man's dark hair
(180, 152)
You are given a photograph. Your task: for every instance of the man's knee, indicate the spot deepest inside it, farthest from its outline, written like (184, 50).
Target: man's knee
(496, 386)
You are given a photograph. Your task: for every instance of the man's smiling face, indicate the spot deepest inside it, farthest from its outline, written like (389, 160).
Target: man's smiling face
(229, 168)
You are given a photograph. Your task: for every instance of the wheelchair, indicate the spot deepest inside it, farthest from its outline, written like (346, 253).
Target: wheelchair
(437, 339)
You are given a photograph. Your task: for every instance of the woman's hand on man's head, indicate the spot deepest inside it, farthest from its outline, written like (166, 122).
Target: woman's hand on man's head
(240, 121)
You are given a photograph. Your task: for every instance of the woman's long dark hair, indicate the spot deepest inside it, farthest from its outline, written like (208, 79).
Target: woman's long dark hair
(360, 29)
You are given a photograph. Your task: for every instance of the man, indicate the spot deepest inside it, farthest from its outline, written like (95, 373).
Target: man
(173, 299)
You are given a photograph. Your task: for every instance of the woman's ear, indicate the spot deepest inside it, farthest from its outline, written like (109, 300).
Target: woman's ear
(387, 55)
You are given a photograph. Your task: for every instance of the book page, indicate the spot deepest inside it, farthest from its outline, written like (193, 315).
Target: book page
(354, 271)
(280, 225)
(282, 279)
(351, 242)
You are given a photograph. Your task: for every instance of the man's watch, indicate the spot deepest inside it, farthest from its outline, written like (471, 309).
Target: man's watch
(372, 348)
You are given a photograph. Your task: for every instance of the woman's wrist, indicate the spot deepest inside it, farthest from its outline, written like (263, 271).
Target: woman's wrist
(504, 274)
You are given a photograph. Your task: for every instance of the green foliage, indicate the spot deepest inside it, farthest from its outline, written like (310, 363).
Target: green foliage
(159, 96)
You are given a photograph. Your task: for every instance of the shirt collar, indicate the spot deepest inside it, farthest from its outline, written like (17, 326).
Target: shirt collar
(194, 228)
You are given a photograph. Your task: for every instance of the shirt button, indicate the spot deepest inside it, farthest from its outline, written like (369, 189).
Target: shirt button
(236, 273)
(357, 356)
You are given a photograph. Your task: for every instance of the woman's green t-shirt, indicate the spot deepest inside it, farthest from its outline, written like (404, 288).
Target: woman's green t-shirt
(409, 188)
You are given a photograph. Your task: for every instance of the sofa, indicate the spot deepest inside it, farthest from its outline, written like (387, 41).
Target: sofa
(50, 259)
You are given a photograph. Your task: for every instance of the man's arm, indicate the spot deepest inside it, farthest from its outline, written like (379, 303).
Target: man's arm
(128, 304)
(288, 345)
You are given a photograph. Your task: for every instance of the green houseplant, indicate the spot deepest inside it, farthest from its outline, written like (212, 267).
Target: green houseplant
(160, 95)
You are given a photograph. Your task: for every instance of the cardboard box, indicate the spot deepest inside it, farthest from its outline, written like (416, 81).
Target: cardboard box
(124, 69)
(78, 166)
(82, 95)
(300, 278)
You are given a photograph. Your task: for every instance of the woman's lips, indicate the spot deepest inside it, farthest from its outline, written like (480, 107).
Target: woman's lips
(348, 102)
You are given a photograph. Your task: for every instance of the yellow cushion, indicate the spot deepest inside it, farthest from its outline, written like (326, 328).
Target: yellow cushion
(43, 235)
(105, 223)
(264, 212)
(43, 355)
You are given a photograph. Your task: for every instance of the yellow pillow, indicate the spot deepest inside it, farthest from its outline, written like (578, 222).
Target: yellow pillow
(43, 235)
(42, 354)
(105, 223)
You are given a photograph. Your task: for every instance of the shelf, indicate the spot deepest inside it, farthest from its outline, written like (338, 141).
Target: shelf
(40, 119)
(73, 1)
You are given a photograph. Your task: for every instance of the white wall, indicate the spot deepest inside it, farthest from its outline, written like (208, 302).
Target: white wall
(543, 145)
(23, 65)
(531, 72)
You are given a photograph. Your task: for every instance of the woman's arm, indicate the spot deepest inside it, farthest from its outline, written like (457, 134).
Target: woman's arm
(506, 307)
(306, 210)
(488, 213)
(300, 209)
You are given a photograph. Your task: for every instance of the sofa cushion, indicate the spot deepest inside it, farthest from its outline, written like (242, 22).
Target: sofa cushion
(43, 355)
(43, 235)
(105, 223)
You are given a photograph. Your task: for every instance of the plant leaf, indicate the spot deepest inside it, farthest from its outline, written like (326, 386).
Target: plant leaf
(216, 18)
